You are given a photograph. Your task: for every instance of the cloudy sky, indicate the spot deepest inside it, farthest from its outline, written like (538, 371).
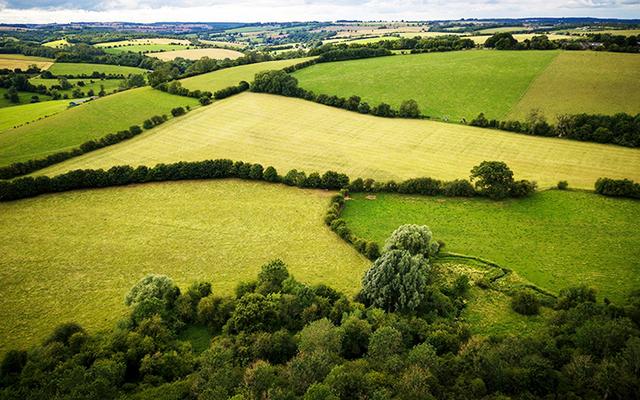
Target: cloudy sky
(41, 11)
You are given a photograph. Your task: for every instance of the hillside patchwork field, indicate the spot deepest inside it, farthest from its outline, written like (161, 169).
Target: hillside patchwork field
(554, 239)
(292, 133)
(13, 61)
(226, 77)
(196, 54)
(91, 120)
(15, 116)
(25, 98)
(88, 69)
(144, 48)
(89, 84)
(94, 245)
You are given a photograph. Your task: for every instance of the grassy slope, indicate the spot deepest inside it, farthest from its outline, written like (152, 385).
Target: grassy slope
(293, 133)
(553, 239)
(144, 48)
(25, 98)
(17, 115)
(85, 122)
(109, 84)
(86, 68)
(94, 245)
(196, 54)
(585, 81)
(13, 61)
(454, 84)
(231, 76)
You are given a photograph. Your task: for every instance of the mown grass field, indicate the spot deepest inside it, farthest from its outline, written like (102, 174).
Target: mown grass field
(584, 81)
(144, 48)
(451, 85)
(13, 61)
(134, 42)
(292, 133)
(196, 54)
(11, 117)
(57, 43)
(223, 43)
(91, 120)
(80, 252)
(109, 84)
(88, 69)
(224, 78)
(553, 239)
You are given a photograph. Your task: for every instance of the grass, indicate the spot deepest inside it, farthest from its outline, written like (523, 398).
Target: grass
(80, 252)
(135, 42)
(11, 117)
(584, 81)
(223, 43)
(57, 43)
(144, 48)
(553, 239)
(88, 69)
(91, 120)
(491, 31)
(109, 84)
(25, 98)
(223, 78)
(292, 133)
(451, 85)
(623, 32)
(13, 61)
(196, 54)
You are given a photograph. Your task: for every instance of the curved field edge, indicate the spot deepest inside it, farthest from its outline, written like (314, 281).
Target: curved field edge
(95, 244)
(292, 133)
(91, 120)
(553, 239)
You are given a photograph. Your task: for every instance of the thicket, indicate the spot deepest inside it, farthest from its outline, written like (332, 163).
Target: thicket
(621, 129)
(598, 42)
(278, 338)
(231, 90)
(618, 188)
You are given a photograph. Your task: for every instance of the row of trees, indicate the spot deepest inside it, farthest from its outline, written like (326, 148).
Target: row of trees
(621, 129)
(277, 338)
(602, 42)
(618, 188)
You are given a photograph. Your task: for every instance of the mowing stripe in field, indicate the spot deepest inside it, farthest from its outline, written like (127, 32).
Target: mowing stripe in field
(292, 133)
(80, 252)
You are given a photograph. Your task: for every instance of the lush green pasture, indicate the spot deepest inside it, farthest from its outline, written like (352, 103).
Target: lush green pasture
(25, 98)
(144, 48)
(554, 239)
(73, 256)
(196, 54)
(11, 117)
(87, 121)
(88, 69)
(13, 61)
(109, 84)
(451, 85)
(292, 133)
(584, 81)
(223, 78)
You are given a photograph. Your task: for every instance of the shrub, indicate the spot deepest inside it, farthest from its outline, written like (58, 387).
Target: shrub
(416, 239)
(409, 109)
(563, 185)
(572, 296)
(458, 188)
(494, 179)
(423, 186)
(525, 303)
(270, 175)
(618, 188)
(522, 188)
(176, 112)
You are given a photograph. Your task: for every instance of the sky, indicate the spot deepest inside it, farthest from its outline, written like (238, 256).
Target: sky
(63, 11)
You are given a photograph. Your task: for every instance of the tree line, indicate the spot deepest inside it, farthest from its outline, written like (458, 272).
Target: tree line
(400, 337)
(598, 42)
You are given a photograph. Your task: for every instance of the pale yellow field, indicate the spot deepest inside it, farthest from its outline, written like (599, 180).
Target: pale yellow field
(584, 82)
(196, 54)
(292, 133)
(224, 44)
(13, 61)
(143, 41)
(57, 43)
(520, 37)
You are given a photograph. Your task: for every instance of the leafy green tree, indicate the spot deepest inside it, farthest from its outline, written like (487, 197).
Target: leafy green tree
(493, 179)
(525, 303)
(270, 175)
(355, 337)
(320, 335)
(318, 391)
(275, 82)
(253, 312)
(416, 239)
(501, 41)
(218, 375)
(271, 277)
(214, 312)
(396, 281)
(409, 109)
(153, 294)
(572, 296)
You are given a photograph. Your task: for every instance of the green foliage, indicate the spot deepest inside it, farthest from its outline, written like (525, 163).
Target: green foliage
(525, 303)
(275, 82)
(493, 179)
(409, 109)
(320, 336)
(271, 277)
(153, 294)
(575, 295)
(415, 239)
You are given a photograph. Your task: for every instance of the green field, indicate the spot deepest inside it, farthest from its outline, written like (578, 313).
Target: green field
(144, 48)
(451, 85)
(292, 133)
(554, 239)
(91, 120)
(224, 78)
(88, 69)
(25, 98)
(109, 84)
(11, 117)
(80, 252)
(584, 81)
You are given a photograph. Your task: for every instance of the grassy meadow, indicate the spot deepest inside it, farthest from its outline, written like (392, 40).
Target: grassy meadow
(18, 115)
(196, 54)
(25, 98)
(136, 42)
(88, 69)
(451, 85)
(224, 78)
(57, 43)
(553, 239)
(292, 133)
(13, 61)
(584, 82)
(109, 84)
(91, 120)
(81, 251)
(144, 48)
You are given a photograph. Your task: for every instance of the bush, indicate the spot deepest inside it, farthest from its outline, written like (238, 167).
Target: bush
(178, 111)
(563, 185)
(525, 303)
(572, 296)
(271, 175)
(458, 188)
(423, 186)
(618, 188)
(409, 109)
